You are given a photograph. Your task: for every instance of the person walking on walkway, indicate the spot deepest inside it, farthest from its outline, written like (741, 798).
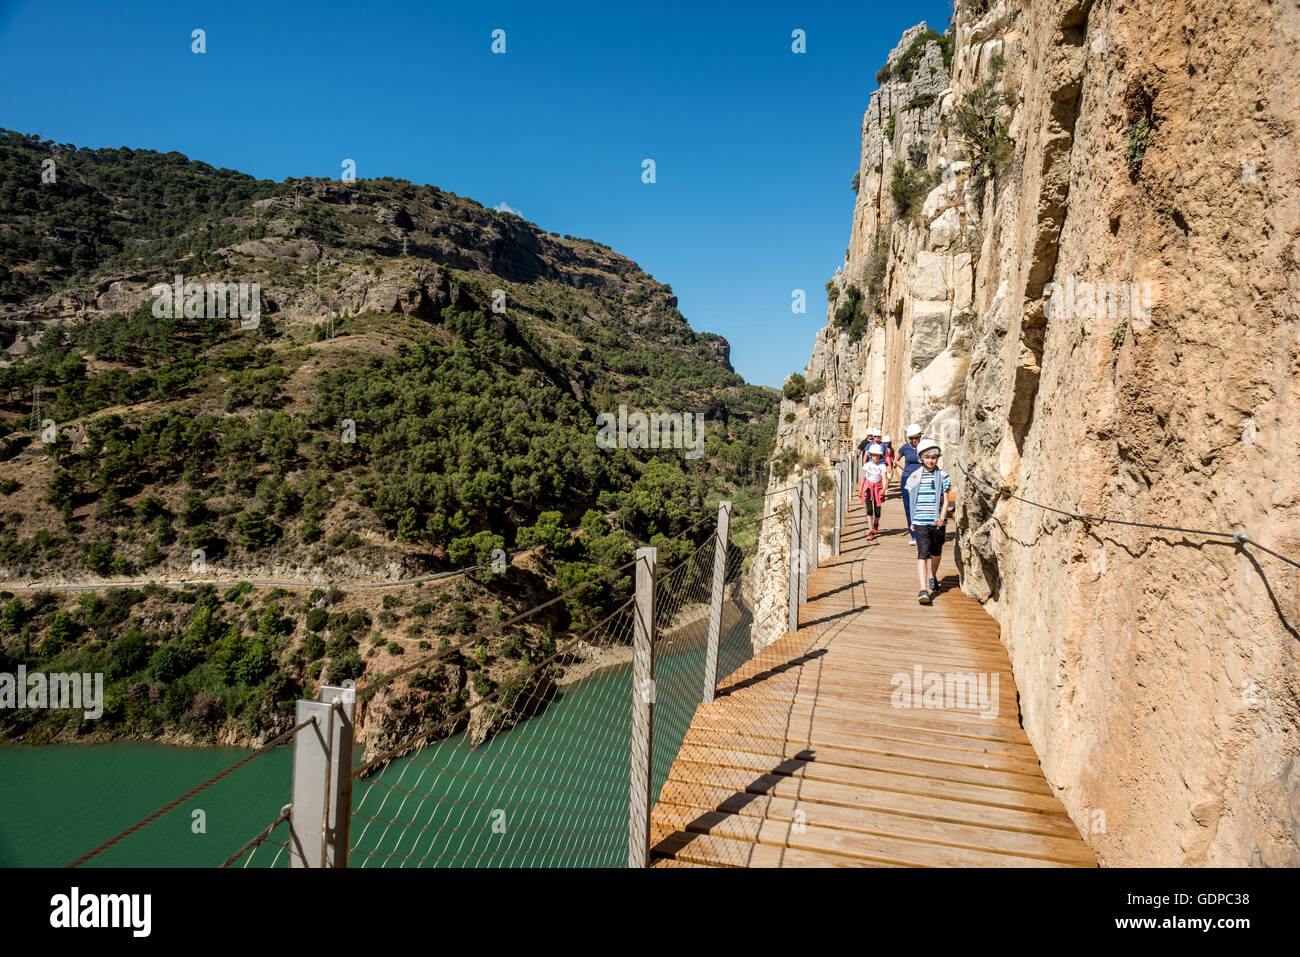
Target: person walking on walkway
(927, 491)
(872, 490)
(908, 461)
(871, 439)
(862, 446)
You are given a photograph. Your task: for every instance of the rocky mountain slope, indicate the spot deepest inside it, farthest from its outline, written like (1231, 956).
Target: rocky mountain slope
(419, 391)
(1072, 259)
(399, 326)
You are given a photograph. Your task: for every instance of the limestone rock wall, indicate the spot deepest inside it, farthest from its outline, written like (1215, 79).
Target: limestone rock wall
(1152, 151)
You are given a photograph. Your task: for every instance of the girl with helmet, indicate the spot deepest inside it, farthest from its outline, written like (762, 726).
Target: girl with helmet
(872, 490)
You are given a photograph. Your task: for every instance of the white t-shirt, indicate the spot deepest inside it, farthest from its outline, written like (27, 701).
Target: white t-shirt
(873, 473)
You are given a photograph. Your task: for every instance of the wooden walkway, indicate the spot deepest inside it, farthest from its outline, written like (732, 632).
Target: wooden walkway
(807, 759)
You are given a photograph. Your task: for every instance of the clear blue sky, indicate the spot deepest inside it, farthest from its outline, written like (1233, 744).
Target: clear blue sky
(754, 145)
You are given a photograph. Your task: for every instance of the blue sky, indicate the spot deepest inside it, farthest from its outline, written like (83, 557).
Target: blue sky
(754, 145)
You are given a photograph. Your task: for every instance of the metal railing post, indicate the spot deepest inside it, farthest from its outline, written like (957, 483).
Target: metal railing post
(851, 489)
(839, 506)
(792, 594)
(715, 600)
(643, 708)
(339, 816)
(803, 543)
(311, 784)
(815, 521)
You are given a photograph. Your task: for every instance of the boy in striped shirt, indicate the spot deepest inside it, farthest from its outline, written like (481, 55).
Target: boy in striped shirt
(927, 493)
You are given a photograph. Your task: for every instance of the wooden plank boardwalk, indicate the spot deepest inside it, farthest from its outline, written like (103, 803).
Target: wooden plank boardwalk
(808, 758)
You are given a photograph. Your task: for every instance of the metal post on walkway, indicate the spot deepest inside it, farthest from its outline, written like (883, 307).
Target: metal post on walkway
(311, 784)
(848, 487)
(338, 817)
(851, 492)
(815, 522)
(643, 708)
(839, 506)
(792, 593)
(805, 562)
(715, 600)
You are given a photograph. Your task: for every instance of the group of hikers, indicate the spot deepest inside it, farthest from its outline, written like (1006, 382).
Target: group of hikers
(926, 491)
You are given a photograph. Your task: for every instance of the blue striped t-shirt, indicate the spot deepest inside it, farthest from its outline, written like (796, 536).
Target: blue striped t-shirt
(927, 497)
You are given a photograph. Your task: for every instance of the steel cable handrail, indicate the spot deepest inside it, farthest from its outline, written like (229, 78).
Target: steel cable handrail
(1241, 538)
(277, 740)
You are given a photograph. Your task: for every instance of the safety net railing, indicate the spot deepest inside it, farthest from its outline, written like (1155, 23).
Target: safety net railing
(557, 762)
(724, 760)
(546, 746)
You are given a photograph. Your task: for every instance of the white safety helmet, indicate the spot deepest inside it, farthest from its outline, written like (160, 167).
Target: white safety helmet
(913, 429)
(928, 445)
(886, 439)
(875, 450)
(871, 432)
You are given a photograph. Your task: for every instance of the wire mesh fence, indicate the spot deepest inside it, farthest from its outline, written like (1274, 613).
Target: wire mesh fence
(534, 773)
(276, 845)
(725, 761)
(536, 769)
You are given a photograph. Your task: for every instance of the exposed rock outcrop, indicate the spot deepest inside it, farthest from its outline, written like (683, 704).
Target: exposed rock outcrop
(1149, 173)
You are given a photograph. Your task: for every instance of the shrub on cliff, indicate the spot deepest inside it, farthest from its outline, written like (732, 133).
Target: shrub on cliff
(1137, 143)
(909, 187)
(877, 263)
(796, 388)
(203, 715)
(313, 646)
(784, 462)
(345, 666)
(977, 122)
(905, 66)
(11, 619)
(171, 660)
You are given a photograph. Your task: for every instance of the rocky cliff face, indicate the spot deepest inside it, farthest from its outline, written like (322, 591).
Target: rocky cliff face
(1082, 281)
